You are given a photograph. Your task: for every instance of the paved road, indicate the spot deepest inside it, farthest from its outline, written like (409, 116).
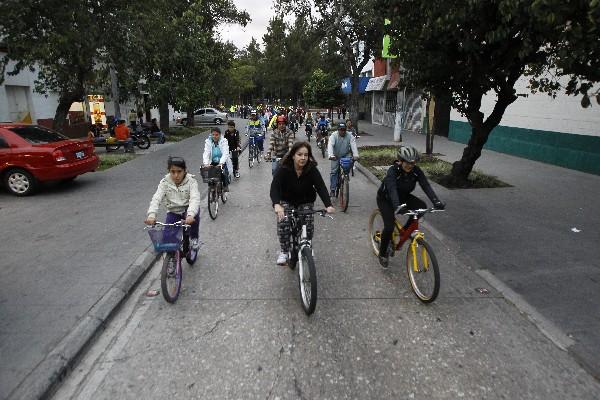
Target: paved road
(238, 330)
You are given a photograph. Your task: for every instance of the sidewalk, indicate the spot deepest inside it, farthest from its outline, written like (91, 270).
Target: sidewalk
(537, 239)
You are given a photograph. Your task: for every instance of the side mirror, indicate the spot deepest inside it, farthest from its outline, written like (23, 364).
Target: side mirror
(3, 143)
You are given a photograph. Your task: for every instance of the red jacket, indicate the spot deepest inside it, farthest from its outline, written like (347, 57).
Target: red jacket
(122, 132)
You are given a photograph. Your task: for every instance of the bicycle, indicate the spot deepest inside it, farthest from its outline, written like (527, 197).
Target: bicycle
(342, 190)
(254, 135)
(174, 241)
(421, 263)
(301, 252)
(322, 141)
(211, 174)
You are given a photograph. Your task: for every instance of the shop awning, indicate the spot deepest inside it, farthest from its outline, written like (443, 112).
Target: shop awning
(393, 85)
(376, 84)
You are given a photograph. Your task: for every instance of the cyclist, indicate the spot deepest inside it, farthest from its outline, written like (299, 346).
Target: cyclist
(254, 122)
(280, 142)
(350, 128)
(233, 141)
(322, 123)
(178, 190)
(216, 152)
(275, 119)
(295, 185)
(399, 182)
(340, 145)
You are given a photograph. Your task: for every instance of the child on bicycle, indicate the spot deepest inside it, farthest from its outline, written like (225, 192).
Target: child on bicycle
(178, 191)
(393, 196)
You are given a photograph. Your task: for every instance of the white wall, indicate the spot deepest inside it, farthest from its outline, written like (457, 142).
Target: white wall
(542, 112)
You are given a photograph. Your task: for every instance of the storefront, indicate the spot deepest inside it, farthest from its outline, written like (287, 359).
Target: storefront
(376, 86)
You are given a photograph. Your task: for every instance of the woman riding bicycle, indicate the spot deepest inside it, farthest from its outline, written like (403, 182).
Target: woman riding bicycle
(295, 185)
(178, 190)
(216, 152)
(399, 182)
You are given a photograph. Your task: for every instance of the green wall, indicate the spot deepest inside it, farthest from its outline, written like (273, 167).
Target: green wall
(568, 150)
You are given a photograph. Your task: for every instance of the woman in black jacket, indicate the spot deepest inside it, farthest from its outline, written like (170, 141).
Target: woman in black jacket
(295, 185)
(393, 196)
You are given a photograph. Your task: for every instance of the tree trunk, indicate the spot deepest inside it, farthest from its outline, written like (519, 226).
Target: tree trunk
(62, 110)
(354, 96)
(190, 117)
(163, 113)
(441, 115)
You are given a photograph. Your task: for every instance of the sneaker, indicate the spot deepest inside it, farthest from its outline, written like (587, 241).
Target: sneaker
(226, 189)
(332, 194)
(194, 244)
(237, 174)
(384, 261)
(282, 258)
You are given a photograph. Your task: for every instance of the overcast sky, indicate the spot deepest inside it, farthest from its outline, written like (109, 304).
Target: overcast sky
(260, 11)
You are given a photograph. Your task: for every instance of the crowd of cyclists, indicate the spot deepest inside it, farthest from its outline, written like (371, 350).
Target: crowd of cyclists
(296, 179)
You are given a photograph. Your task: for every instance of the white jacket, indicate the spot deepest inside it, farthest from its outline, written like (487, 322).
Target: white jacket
(224, 146)
(176, 198)
(333, 139)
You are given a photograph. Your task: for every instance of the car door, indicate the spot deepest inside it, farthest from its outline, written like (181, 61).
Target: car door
(5, 152)
(199, 116)
(210, 115)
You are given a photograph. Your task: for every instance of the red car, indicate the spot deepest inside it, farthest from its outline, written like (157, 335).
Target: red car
(30, 154)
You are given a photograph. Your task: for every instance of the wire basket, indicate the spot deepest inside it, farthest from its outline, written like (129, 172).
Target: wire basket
(210, 172)
(166, 238)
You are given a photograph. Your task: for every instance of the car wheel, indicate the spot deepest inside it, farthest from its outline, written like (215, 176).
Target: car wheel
(20, 182)
(218, 121)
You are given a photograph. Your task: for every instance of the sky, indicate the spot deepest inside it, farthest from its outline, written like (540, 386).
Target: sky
(260, 11)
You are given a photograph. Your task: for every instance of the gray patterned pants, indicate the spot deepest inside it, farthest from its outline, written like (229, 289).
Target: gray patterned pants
(284, 228)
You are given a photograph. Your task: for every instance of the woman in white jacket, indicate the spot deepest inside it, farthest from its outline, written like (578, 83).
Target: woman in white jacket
(179, 192)
(216, 152)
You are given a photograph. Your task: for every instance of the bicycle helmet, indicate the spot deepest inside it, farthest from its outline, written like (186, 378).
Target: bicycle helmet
(176, 161)
(408, 154)
(281, 118)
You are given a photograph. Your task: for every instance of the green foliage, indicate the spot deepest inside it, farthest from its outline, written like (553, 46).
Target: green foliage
(109, 160)
(322, 90)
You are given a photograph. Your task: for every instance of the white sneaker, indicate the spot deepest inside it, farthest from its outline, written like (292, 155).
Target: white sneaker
(194, 244)
(282, 258)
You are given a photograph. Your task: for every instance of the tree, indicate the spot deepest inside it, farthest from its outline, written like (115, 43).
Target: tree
(322, 90)
(353, 24)
(63, 41)
(469, 48)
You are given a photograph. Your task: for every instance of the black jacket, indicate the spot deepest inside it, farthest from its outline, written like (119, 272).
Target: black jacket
(233, 139)
(289, 187)
(397, 184)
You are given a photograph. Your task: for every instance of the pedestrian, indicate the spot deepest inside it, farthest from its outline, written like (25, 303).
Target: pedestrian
(339, 112)
(343, 112)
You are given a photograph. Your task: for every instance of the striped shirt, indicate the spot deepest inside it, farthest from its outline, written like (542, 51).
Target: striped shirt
(280, 143)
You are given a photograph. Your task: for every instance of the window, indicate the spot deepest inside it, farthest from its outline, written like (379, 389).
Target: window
(3, 144)
(199, 112)
(210, 111)
(38, 135)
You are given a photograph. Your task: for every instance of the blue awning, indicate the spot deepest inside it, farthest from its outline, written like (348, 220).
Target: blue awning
(362, 84)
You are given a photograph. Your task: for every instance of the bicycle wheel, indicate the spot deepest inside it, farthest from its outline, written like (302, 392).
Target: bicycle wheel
(213, 202)
(171, 276)
(143, 142)
(344, 193)
(375, 229)
(423, 271)
(223, 196)
(307, 280)
(323, 149)
(250, 156)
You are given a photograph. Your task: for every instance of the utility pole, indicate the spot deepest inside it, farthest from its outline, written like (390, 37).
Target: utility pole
(115, 91)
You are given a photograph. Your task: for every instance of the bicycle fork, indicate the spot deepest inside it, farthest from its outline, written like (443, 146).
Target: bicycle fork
(414, 245)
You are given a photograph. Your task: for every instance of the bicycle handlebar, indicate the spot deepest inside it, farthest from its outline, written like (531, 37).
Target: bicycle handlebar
(322, 212)
(420, 211)
(178, 223)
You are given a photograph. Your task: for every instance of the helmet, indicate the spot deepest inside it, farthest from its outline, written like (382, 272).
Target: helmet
(281, 118)
(176, 161)
(253, 112)
(408, 154)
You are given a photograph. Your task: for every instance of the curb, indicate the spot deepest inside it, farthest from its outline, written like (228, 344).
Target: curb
(40, 382)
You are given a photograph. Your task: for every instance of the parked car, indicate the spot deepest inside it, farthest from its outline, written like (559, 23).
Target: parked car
(207, 115)
(30, 154)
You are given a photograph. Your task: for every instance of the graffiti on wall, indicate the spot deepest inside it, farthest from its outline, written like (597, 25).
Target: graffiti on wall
(378, 107)
(414, 112)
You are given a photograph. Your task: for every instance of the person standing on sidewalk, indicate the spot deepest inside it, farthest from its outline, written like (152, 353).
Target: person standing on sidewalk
(233, 140)
(340, 145)
(393, 196)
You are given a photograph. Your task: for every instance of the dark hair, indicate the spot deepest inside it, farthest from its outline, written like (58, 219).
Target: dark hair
(230, 123)
(215, 129)
(288, 160)
(177, 162)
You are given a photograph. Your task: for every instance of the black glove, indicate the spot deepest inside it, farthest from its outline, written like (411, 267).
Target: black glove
(401, 209)
(439, 205)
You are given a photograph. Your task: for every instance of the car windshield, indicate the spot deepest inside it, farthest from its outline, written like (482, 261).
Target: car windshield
(38, 135)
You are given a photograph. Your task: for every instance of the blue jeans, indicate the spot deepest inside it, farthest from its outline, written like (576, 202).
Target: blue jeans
(274, 166)
(194, 229)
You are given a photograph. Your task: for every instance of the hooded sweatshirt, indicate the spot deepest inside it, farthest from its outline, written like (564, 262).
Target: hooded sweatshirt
(176, 198)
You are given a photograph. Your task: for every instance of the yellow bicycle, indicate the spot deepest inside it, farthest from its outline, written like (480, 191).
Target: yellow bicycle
(421, 263)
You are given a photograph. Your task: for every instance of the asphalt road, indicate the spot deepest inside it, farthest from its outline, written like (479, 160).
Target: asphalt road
(238, 330)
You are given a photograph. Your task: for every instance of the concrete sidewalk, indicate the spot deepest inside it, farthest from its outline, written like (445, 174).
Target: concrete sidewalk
(536, 241)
